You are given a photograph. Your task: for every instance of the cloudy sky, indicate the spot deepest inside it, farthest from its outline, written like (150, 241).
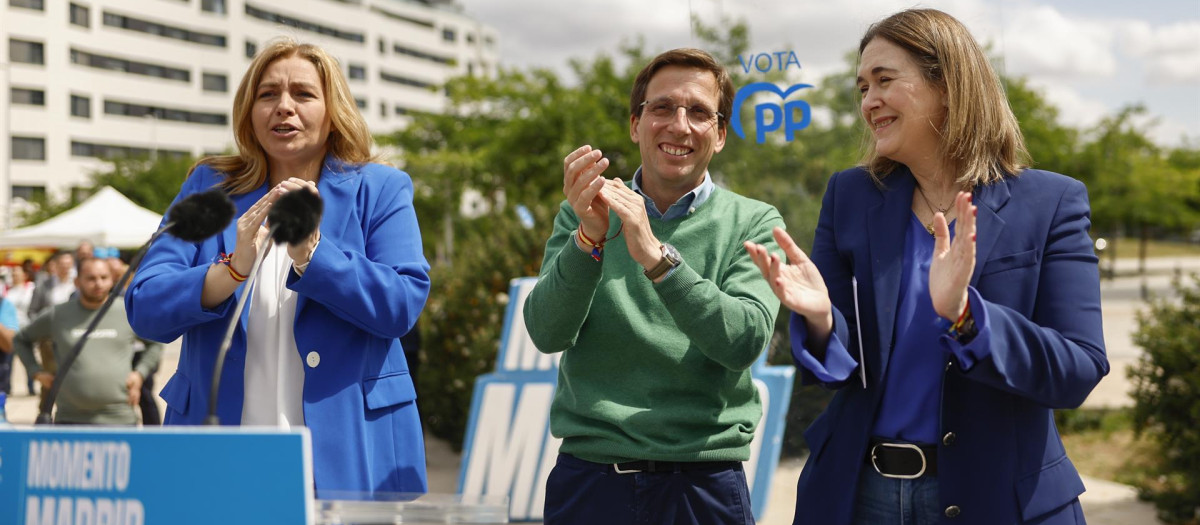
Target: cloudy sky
(1088, 57)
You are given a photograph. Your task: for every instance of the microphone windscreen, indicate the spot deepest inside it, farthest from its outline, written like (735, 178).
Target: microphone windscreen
(200, 215)
(295, 216)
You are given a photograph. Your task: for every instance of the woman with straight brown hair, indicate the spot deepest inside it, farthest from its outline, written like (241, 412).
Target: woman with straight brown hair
(952, 299)
(319, 346)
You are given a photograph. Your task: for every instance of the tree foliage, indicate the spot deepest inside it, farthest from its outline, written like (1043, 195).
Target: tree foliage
(1166, 394)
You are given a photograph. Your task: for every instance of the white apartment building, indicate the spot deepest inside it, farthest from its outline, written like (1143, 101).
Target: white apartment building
(88, 79)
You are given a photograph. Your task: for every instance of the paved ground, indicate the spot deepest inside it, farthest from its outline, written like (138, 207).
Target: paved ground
(1105, 502)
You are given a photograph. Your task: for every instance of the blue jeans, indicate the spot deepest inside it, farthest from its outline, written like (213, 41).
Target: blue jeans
(579, 492)
(888, 501)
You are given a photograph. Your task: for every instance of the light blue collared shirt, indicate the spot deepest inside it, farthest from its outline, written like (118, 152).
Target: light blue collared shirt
(685, 205)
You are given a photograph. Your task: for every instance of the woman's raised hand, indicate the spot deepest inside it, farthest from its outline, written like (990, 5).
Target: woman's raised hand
(953, 262)
(797, 284)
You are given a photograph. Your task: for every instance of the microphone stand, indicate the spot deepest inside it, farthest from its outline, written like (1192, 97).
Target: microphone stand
(227, 341)
(47, 405)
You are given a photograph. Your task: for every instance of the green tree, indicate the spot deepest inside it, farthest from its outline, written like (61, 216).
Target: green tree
(1166, 395)
(1134, 185)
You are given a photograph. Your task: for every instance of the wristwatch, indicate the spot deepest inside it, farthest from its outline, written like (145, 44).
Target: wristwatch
(671, 259)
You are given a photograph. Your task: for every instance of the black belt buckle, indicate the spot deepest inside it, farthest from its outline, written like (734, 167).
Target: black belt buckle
(920, 453)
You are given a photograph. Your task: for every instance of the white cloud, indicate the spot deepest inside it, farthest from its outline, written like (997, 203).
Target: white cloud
(1039, 40)
(1171, 53)
(1074, 109)
(1164, 130)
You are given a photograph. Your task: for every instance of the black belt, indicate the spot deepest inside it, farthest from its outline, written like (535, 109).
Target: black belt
(902, 460)
(645, 465)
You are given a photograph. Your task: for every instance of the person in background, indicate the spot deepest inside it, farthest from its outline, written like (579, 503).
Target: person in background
(952, 299)
(20, 294)
(56, 287)
(101, 387)
(8, 327)
(85, 250)
(319, 346)
(151, 416)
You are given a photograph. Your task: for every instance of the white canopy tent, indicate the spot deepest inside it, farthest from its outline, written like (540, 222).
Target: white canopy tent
(106, 219)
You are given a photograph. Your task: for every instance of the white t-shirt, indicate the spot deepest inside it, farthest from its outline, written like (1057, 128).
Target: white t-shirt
(274, 377)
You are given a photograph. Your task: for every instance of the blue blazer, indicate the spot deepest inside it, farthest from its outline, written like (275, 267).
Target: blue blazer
(1035, 295)
(364, 288)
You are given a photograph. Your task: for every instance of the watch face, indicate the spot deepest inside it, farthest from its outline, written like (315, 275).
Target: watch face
(672, 254)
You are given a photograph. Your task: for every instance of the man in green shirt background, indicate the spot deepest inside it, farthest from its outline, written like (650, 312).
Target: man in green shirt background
(659, 312)
(101, 387)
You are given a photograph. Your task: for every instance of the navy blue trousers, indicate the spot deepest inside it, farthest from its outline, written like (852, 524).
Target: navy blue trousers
(580, 492)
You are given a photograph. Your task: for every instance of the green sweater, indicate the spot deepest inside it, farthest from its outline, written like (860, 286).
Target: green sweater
(658, 371)
(94, 390)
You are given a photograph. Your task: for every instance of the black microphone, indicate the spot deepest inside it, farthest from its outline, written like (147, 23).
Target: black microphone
(195, 218)
(292, 218)
(295, 216)
(200, 215)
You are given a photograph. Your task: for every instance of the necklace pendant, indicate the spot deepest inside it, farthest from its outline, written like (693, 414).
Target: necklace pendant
(929, 228)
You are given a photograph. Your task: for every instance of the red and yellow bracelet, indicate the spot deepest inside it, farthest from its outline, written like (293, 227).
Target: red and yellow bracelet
(234, 273)
(597, 246)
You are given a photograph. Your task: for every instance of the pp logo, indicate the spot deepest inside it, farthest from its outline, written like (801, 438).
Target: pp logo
(782, 115)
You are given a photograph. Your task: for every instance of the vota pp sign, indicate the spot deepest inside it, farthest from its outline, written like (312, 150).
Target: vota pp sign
(771, 115)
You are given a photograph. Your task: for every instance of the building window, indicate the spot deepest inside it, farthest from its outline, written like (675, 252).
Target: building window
(213, 6)
(79, 15)
(28, 193)
(448, 35)
(214, 82)
(400, 110)
(304, 25)
(163, 30)
(27, 97)
(38, 5)
(423, 23)
(382, 109)
(108, 151)
(400, 79)
(251, 49)
(361, 103)
(416, 53)
(131, 109)
(111, 63)
(357, 72)
(26, 52)
(382, 47)
(81, 106)
(470, 38)
(28, 148)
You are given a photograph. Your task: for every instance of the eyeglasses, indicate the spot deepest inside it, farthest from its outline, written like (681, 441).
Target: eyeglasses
(664, 110)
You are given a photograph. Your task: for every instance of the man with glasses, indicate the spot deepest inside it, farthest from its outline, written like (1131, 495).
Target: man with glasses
(659, 312)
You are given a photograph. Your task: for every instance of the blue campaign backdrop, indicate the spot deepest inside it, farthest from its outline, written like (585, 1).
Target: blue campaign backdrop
(508, 448)
(177, 475)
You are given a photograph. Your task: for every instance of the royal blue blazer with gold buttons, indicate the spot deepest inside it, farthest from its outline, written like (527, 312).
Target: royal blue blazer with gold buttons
(1035, 297)
(364, 288)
